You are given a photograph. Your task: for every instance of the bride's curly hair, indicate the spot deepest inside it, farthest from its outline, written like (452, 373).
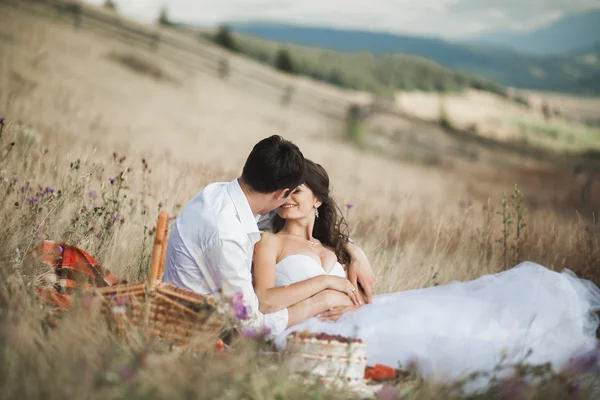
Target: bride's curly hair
(330, 227)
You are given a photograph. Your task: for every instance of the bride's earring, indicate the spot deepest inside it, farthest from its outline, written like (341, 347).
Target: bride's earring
(317, 212)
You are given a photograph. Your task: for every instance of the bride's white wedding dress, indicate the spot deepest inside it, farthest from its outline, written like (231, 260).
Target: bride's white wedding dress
(462, 327)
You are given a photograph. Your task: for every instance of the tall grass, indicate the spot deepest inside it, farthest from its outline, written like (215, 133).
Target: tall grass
(108, 209)
(67, 176)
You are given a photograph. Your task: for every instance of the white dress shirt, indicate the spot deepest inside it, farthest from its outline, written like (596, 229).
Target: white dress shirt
(211, 246)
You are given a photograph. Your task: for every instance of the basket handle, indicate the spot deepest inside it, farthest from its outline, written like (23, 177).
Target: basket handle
(160, 247)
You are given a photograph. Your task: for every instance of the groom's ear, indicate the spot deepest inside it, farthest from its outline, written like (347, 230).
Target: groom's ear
(283, 194)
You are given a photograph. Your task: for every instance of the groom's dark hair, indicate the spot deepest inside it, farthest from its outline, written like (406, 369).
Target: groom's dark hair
(274, 164)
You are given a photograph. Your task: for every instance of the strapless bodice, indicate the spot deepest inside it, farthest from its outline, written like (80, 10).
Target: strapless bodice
(300, 267)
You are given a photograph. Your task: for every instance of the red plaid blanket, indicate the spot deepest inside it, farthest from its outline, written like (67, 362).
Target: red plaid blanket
(74, 268)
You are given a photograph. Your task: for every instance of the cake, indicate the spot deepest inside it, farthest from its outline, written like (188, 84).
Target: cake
(331, 357)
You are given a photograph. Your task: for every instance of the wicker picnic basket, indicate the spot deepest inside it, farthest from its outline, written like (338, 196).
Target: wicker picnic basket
(159, 309)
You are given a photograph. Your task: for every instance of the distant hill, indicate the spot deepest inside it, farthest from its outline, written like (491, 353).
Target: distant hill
(506, 67)
(363, 70)
(568, 35)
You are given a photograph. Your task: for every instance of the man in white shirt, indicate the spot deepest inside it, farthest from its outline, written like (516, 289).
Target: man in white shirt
(211, 244)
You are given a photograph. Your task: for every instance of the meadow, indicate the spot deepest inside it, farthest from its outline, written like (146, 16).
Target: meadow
(91, 149)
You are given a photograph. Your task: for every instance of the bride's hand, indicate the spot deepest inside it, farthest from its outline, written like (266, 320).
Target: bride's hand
(336, 313)
(343, 285)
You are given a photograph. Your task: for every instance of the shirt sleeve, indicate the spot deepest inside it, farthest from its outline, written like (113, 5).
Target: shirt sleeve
(229, 262)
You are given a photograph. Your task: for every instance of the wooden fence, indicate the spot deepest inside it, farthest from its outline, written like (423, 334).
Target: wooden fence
(190, 53)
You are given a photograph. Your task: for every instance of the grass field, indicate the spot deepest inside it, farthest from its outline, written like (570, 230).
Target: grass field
(79, 115)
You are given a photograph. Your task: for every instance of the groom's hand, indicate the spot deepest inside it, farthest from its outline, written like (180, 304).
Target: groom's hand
(360, 272)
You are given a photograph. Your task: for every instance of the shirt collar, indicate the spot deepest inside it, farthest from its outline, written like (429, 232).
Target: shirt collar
(247, 218)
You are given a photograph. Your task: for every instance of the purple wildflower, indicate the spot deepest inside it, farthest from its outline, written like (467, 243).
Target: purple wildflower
(2, 120)
(241, 312)
(112, 180)
(49, 189)
(32, 199)
(15, 180)
(584, 363)
(60, 249)
(127, 373)
(251, 333)
(474, 236)
(78, 241)
(115, 218)
(122, 301)
(349, 206)
(93, 194)
(387, 393)
(513, 388)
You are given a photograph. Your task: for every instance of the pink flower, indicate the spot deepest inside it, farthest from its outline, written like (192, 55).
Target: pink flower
(388, 393)
(349, 206)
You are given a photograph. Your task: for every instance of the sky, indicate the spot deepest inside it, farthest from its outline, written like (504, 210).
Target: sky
(452, 19)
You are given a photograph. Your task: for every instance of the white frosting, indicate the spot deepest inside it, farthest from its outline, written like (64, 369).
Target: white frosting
(328, 359)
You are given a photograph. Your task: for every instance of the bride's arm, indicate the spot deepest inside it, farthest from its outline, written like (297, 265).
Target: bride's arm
(271, 298)
(322, 302)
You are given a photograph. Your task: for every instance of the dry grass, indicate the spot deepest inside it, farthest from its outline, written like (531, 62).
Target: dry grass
(78, 119)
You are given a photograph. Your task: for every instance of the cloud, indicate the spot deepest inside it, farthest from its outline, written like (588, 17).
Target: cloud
(446, 18)
(519, 15)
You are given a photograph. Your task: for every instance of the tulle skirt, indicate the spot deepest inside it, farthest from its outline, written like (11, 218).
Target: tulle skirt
(528, 313)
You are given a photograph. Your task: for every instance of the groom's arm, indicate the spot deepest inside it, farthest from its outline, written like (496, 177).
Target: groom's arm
(360, 271)
(229, 263)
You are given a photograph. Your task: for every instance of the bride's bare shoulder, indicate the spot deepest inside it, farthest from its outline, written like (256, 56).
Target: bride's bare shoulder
(268, 245)
(268, 238)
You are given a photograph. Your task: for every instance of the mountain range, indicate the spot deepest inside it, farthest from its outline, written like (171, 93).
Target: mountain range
(571, 34)
(500, 57)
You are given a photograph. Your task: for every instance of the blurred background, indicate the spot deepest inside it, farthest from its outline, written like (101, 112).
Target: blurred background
(424, 113)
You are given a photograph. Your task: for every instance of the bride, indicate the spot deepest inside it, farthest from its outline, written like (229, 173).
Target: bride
(528, 313)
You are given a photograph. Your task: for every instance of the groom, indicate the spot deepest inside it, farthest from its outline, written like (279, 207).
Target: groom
(211, 244)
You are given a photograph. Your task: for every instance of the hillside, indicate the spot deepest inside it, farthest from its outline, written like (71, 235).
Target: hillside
(365, 71)
(503, 66)
(570, 34)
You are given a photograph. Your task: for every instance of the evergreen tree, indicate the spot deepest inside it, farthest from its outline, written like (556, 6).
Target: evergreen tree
(224, 38)
(163, 17)
(110, 4)
(283, 61)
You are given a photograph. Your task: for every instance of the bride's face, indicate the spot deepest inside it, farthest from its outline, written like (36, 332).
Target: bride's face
(300, 204)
